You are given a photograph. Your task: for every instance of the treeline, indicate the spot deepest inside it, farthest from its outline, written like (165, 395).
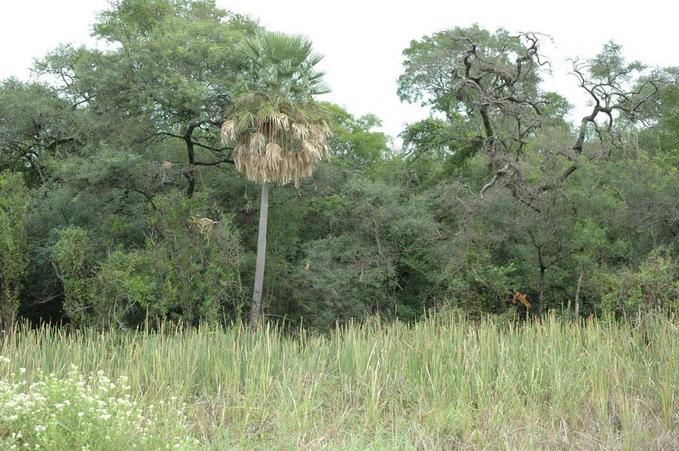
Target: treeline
(120, 205)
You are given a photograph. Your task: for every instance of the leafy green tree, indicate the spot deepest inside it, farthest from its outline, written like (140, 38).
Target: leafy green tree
(120, 125)
(652, 286)
(168, 75)
(662, 137)
(355, 140)
(491, 78)
(35, 124)
(187, 270)
(73, 255)
(378, 255)
(14, 203)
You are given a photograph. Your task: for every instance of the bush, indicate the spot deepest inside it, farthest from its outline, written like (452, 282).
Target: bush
(73, 255)
(13, 211)
(83, 413)
(654, 285)
(477, 285)
(188, 270)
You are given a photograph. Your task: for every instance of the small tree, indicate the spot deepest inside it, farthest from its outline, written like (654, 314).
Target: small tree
(13, 211)
(277, 130)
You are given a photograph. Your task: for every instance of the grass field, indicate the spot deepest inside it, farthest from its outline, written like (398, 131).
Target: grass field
(438, 384)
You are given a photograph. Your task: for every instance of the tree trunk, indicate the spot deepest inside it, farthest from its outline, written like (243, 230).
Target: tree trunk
(261, 256)
(577, 296)
(190, 171)
(541, 294)
(7, 311)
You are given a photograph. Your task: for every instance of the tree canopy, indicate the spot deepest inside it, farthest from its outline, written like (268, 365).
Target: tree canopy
(121, 204)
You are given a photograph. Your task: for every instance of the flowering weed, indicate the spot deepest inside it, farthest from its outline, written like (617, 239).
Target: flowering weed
(78, 412)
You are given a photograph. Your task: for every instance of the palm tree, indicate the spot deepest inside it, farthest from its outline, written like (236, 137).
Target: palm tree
(276, 128)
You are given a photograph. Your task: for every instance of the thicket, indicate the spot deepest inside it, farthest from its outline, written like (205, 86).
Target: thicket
(120, 205)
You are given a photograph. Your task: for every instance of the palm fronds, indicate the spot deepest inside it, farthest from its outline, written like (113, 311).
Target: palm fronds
(277, 130)
(277, 148)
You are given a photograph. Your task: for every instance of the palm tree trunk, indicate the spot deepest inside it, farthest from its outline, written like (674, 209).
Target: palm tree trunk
(261, 257)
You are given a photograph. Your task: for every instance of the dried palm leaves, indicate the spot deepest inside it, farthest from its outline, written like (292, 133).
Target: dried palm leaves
(274, 124)
(276, 147)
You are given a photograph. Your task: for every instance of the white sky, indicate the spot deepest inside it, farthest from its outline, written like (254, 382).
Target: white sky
(363, 40)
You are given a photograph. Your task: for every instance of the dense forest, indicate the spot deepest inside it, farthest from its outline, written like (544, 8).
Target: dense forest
(127, 197)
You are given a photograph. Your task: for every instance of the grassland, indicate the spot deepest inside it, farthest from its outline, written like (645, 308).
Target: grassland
(438, 384)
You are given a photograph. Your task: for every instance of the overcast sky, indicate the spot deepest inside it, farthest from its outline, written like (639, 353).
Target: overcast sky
(363, 40)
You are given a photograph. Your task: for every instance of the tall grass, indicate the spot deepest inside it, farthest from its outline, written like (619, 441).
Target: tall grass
(440, 383)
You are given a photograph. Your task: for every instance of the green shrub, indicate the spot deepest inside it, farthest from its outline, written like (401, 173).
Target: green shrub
(73, 255)
(478, 285)
(188, 270)
(13, 212)
(654, 285)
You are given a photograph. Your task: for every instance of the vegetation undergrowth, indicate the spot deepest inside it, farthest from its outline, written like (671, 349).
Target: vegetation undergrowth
(77, 412)
(439, 383)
